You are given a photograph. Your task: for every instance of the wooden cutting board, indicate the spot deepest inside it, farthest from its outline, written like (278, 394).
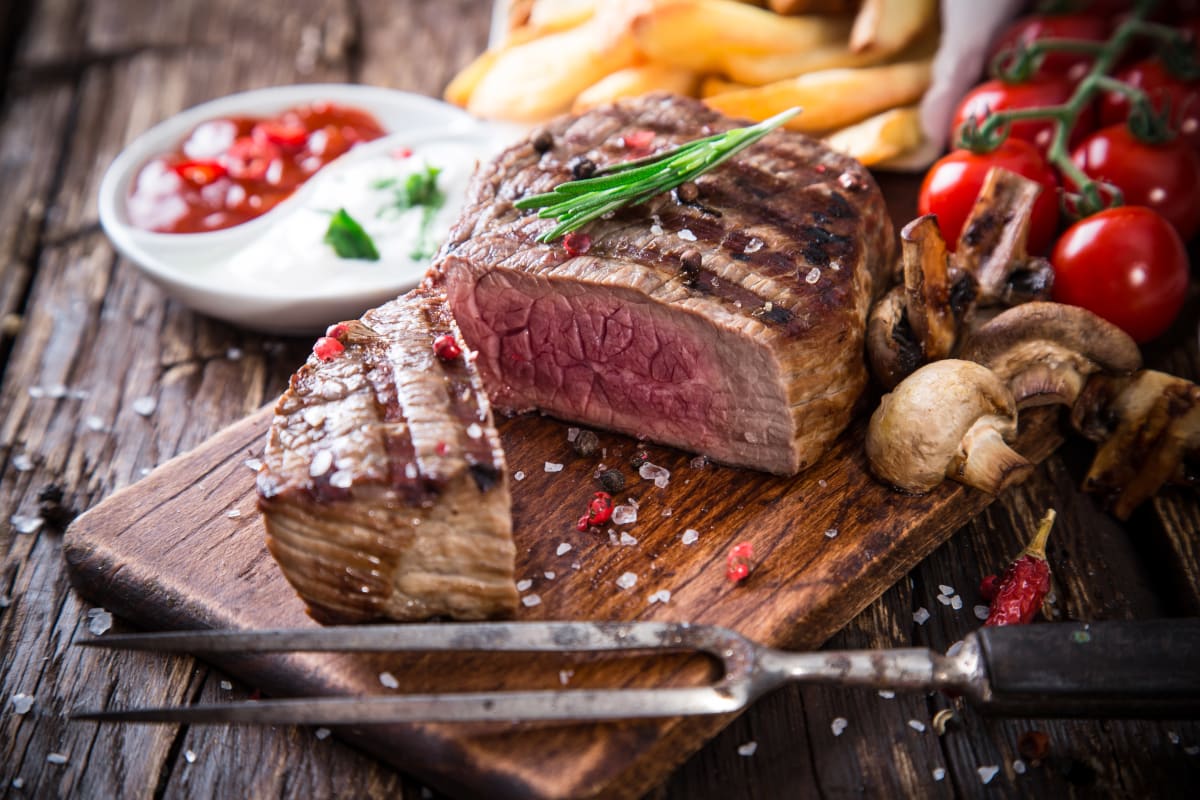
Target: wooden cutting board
(183, 548)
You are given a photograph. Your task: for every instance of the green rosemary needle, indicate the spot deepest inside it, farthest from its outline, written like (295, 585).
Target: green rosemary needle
(576, 203)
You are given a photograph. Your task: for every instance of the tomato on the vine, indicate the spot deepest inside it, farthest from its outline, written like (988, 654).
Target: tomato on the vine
(1164, 177)
(996, 95)
(1126, 264)
(1024, 31)
(1165, 92)
(953, 182)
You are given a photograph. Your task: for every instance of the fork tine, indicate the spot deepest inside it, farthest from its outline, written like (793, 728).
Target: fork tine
(583, 704)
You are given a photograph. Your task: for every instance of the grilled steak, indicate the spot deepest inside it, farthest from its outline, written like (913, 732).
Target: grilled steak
(726, 318)
(384, 488)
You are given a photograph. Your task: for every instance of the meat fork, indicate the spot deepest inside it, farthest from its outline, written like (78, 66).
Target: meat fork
(1130, 669)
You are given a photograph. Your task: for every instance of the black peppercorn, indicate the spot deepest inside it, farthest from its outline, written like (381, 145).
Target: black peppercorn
(639, 458)
(612, 480)
(687, 192)
(543, 141)
(586, 443)
(581, 167)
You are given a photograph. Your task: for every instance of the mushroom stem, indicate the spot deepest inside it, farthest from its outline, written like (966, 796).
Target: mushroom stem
(987, 462)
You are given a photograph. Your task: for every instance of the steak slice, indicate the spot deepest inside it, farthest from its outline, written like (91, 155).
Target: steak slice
(383, 486)
(725, 318)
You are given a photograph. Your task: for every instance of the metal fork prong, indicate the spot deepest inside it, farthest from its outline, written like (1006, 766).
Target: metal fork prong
(580, 704)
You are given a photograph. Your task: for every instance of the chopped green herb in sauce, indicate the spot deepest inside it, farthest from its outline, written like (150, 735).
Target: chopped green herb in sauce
(348, 239)
(419, 190)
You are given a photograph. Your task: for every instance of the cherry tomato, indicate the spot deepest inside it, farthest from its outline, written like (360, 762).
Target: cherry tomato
(1165, 91)
(1126, 264)
(954, 181)
(288, 136)
(249, 158)
(996, 95)
(200, 173)
(1089, 27)
(1164, 177)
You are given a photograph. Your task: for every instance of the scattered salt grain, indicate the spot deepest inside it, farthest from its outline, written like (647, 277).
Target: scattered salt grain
(26, 523)
(939, 774)
(917, 725)
(813, 275)
(753, 246)
(699, 462)
(36, 392)
(94, 423)
(835, 265)
(627, 540)
(981, 612)
(523, 586)
(21, 703)
(954, 648)
(389, 680)
(342, 479)
(575, 565)
(226, 685)
(518, 475)
(552, 467)
(653, 472)
(474, 430)
(253, 463)
(831, 533)
(99, 621)
(887, 694)
(56, 391)
(145, 406)
(572, 434)
(1019, 767)
(550, 575)
(5, 601)
(921, 616)
(56, 758)
(661, 596)
(987, 773)
(1173, 736)
(666, 512)
(322, 733)
(1192, 750)
(189, 756)
(234, 513)
(22, 462)
(822, 483)
(563, 549)
(531, 600)
(18, 783)
(656, 229)
(687, 235)
(624, 515)
(234, 353)
(747, 749)
(627, 580)
(956, 602)
(690, 536)
(838, 726)
(565, 675)
(946, 590)
(943, 599)
(144, 471)
(321, 463)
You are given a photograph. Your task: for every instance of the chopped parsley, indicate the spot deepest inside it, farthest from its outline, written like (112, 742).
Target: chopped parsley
(348, 239)
(418, 190)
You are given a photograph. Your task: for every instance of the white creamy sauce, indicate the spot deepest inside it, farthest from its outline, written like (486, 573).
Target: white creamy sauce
(293, 250)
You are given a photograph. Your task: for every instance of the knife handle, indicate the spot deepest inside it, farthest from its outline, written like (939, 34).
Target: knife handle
(1140, 669)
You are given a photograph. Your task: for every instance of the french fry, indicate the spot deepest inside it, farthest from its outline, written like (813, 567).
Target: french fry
(462, 85)
(888, 26)
(558, 15)
(697, 34)
(811, 6)
(540, 78)
(832, 98)
(880, 137)
(712, 85)
(633, 81)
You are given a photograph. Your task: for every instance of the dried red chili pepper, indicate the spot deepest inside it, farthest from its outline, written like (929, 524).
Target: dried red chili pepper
(1023, 587)
(737, 563)
(600, 511)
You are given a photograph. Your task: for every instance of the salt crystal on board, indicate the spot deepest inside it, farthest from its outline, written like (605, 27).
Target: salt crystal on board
(26, 523)
(747, 749)
(253, 463)
(144, 406)
(572, 434)
(627, 580)
(563, 549)
(838, 726)
(1019, 767)
(943, 599)
(524, 585)
(94, 423)
(831, 533)
(565, 675)
(189, 756)
(1192, 750)
(234, 513)
(921, 616)
(939, 774)
(18, 783)
(661, 596)
(322, 733)
(1173, 736)
(36, 392)
(981, 612)
(887, 694)
(550, 466)
(99, 621)
(531, 600)
(944, 589)
(389, 680)
(917, 725)
(987, 773)
(627, 540)
(690, 536)
(652, 472)
(956, 602)
(234, 353)
(22, 462)
(518, 475)
(56, 758)
(624, 515)
(226, 685)
(549, 575)
(21, 703)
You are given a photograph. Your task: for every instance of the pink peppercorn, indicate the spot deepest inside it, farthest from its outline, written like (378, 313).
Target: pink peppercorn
(576, 244)
(337, 330)
(638, 139)
(737, 563)
(327, 348)
(446, 348)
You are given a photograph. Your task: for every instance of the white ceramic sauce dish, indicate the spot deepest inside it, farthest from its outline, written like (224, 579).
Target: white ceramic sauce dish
(197, 269)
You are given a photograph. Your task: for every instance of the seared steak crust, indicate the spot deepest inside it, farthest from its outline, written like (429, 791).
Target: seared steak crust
(383, 486)
(728, 321)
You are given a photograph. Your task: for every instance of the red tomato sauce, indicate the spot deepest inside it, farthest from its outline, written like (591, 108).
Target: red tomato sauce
(232, 170)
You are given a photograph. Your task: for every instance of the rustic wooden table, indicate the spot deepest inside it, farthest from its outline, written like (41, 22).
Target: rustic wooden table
(84, 336)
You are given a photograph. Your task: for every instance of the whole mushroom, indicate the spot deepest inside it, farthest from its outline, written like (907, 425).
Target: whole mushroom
(950, 418)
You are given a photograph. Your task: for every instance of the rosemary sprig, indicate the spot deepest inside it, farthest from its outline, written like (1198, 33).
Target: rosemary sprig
(576, 203)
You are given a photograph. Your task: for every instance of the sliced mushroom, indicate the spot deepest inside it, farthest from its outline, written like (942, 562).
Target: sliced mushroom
(1046, 351)
(992, 244)
(1148, 426)
(949, 418)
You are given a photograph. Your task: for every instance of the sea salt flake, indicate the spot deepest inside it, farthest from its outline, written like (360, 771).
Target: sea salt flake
(656, 229)
(21, 703)
(753, 246)
(99, 621)
(389, 680)
(943, 599)
(661, 596)
(831, 533)
(565, 675)
(523, 586)
(226, 685)
(956, 602)
(253, 463)
(946, 590)
(234, 513)
(474, 430)
(690, 536)
(518, 475)
(18, 783)
(1019, 767)
(627, 580)
(699, 462)
(575, 565)
(666, 512)
(321, 463)
(145, 406)
(22, 462)
(813, 275)
(36, 392)
(234, 353)
(954, 649)
(653, 472)
(747, 749)
(56, 392)
(921, 616)
(939, 774)
(94, 423)
(572, 434)
(687, 235)
(838, 726)
(56, 758)
(531, 600)
(342, 479)
(563, 549)
(552, 467)
(987, 773)
(1173, 736)
(887, 694)
(189, 756)
(26, 523)
(322, 733)
(627, 540)
(5, 601)
(917, 725)
(981, 612)
(624, 515)
(549, 575)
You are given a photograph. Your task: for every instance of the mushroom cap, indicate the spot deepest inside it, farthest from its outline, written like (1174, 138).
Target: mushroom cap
(892, 348)
(916, 434)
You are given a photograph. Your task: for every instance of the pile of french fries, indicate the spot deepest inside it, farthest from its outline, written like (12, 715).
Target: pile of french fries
(858, 69)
